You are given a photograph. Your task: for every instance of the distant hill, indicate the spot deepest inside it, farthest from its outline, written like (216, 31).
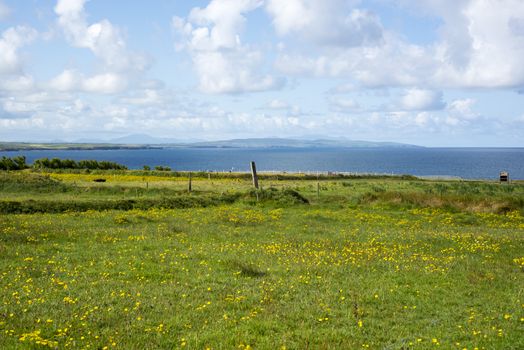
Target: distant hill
(26, 146)
(294, 143)
(148, 142)
(142, 139)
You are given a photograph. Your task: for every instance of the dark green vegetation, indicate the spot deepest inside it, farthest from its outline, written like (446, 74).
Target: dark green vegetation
(15, 163)
(19, 163)
(138, 262)
(57, 163)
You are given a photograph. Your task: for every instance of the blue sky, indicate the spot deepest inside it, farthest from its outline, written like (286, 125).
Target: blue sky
(427, 72)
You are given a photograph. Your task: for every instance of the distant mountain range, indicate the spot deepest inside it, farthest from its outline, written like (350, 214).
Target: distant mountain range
(134, 139)
(294, 143)
(145, 141)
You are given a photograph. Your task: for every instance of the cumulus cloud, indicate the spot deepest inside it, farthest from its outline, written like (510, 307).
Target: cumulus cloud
(330, 23)
(144, 98)
(103, 38)
(17, 83)
(222, 62)
(30, 104)
(104, 83)
(68, 80)
(491, 42)
(277, 104)
(11, 41)
(393, 63)
(106, 42)
(480, 45)
(421, 99)
(463, 109)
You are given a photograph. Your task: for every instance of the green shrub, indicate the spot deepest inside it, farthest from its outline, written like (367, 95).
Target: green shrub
(15, 163)
(56, 163)
(285, 197)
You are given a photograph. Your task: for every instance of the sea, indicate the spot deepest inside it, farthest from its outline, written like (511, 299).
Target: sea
(465, 163)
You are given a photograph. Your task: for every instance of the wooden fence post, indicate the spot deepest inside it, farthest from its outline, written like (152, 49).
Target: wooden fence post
(254, 174)
(189, 184)
(318, 185)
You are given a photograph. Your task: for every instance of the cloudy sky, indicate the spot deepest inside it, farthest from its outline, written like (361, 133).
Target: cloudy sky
(428, 72)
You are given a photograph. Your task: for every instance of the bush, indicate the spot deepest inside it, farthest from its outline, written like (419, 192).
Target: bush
(55, 163)
(15, 163)
(281, 197)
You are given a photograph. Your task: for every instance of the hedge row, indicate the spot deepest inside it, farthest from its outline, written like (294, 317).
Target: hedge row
(50, 206)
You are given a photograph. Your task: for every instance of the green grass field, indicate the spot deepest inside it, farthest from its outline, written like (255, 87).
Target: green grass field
(137, 262)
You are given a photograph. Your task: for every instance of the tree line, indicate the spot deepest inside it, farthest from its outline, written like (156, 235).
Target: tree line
(19, 163)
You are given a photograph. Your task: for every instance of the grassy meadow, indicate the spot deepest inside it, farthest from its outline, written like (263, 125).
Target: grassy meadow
(138, 262)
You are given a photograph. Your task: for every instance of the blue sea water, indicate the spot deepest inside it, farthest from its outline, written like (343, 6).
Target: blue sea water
(467, 163)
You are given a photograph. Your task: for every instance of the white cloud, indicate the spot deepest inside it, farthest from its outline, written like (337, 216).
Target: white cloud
(17, 83)
(289, 16)
(104, 83)
(421, 100)
(463, 109)
(277, 104)
(480, 44)
(107, 83)
(145, 98)
(393, 63)
(4, 11)
(120, 67)
(232, 71)
(18, 107)
(422, 119)
(103, 38)
(11, 40)
(489, 43)
(25, 104)
(222, 62)
(219, 23)
(68, 80)
(330, 23)
(116, 111)
(76, 107)
(344, 104)
(40, 97)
